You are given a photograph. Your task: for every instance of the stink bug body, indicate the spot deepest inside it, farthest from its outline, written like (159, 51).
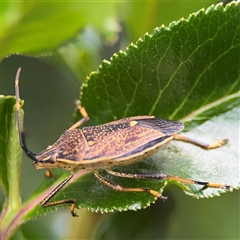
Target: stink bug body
(118, 143)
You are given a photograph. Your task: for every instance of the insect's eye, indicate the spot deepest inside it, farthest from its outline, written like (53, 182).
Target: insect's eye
(49, 159)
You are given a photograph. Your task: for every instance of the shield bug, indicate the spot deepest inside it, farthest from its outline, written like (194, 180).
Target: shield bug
(118, 143)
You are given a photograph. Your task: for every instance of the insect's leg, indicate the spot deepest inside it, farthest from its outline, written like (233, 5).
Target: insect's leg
(46, 203)
(216, 144)
(119, 188)
(84, 118)
(162, 176)
(49, 173)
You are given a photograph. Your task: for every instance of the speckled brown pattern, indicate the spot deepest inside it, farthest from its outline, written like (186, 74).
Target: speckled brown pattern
(121, 142)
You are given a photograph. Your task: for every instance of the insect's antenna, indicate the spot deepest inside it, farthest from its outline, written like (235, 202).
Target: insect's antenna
(21, 133)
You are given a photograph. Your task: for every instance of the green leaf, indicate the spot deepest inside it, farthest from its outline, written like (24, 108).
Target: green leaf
(10, 150)
(186, 71)
(171, 73)
(6, 111)
(39, 27)
(10, 158)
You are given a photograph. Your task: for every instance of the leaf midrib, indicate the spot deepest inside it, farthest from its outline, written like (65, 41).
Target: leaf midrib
(211, 105)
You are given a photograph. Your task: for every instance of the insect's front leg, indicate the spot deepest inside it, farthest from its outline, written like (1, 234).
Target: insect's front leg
(216, 144)
(46, 203)
(49, 173)
(84, 118)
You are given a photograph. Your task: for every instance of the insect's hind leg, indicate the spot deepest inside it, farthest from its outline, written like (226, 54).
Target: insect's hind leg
(162, 176)
(84, 118)
(119, 188)
(216, 144)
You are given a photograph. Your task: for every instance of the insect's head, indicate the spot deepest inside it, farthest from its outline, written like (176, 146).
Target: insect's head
(64, 153)
(47, 158)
